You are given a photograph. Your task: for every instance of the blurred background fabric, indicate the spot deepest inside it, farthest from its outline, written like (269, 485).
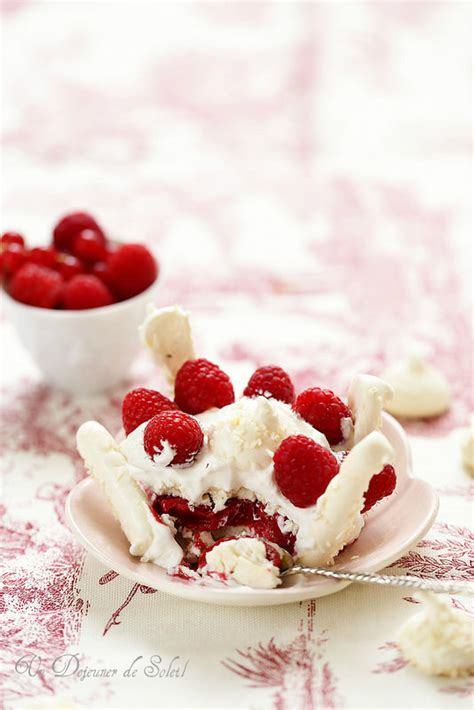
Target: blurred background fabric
(303, 173)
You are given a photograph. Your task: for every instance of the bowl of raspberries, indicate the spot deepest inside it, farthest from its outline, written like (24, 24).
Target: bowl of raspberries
(76, 304)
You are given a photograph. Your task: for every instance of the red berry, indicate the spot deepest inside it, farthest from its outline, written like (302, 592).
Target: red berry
(140, 405)
(43, 256)
(201, 385)
(181, 431)
(101, 270)
(381, 485)
(14, 257)
(69, 226)
(89, 245)
(69, 266)
(13, 238)
(271, 381)
(323, 410)
(85, 291)
(36, 286)
(132, 268)
(303, 470)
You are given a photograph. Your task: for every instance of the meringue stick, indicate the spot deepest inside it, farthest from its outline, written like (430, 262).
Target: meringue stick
(166, 333)
(149, 539)
(338, 520)
(367, 397)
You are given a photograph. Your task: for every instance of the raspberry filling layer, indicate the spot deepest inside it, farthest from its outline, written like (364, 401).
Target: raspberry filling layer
(238, 512)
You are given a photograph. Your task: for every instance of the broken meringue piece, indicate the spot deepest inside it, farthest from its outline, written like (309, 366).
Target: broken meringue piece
(467, 449)
(420, 390)
(149, 539)
(244, 560)
(337, 520)
(439, 640)
(367, 397)
(167, 335)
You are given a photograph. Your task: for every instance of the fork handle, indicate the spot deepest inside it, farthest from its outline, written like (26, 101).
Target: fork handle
(386, 580)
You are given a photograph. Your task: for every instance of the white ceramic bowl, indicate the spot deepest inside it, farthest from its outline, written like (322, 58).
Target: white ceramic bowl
(81, 352)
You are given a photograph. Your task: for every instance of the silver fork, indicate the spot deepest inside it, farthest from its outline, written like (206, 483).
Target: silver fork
(386, 580)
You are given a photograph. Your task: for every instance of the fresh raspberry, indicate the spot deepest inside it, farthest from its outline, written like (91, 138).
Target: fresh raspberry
(37, 286)
(140, 405)
(14, 256)
(43, 256)
(381, 485)
(89, 246)
(323, 410)
(181, 431)
(85, 291)
(69, 226)
(132, 268)
(13, 238)
(201, 385)
(69, 266)
(303, 469)
(271, 382)
(101, 270)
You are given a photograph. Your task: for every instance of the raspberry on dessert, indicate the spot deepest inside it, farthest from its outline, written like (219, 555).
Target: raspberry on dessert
(381, 485)
(303, 469)
(201, 385)
(132, 268)
(37, 286)
(13, 258)
(69, 226)
(271, 382)
(324, 411)
(13, 238)
(69, 266)
(85, 291)
(89, 246)
(44, 256)
(142, 404)
(181, 431)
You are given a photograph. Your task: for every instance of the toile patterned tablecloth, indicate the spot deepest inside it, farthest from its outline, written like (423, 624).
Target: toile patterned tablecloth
(302, 171)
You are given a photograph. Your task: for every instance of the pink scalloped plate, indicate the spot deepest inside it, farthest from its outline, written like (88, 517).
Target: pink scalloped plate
(391, 529)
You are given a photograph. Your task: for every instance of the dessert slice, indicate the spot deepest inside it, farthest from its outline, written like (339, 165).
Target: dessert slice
(241, 487)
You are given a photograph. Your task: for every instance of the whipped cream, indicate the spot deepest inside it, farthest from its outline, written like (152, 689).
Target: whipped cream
(439, 640)
(467, 449)
(244, 560)
(367, 397)
(166, 334)
(419, 389)
(149, 539)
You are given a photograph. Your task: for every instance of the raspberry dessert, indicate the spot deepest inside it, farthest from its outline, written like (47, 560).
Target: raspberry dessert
(232, 490)
(81, 268)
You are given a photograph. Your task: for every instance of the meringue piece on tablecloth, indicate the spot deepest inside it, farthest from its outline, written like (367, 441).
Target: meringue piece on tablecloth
(420, 390)
(439, 640)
